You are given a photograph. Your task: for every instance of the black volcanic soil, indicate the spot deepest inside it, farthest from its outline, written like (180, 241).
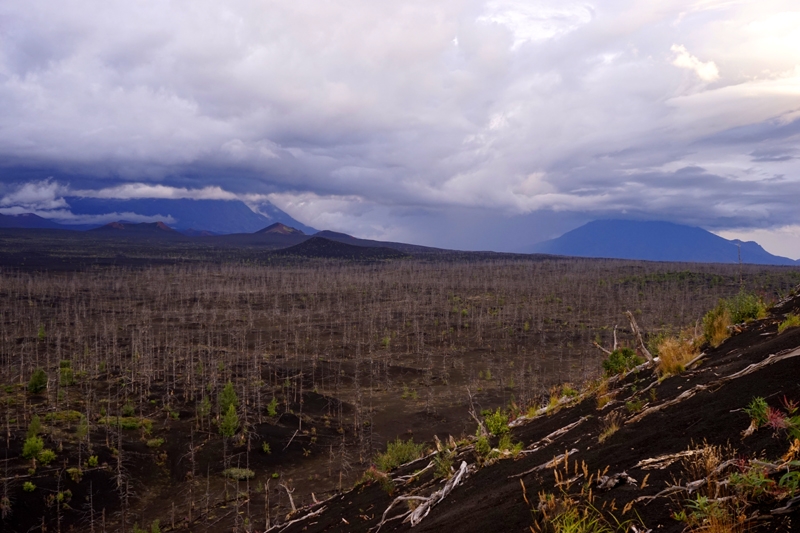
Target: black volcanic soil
(492, 499)
(320, 247)
(278, 333)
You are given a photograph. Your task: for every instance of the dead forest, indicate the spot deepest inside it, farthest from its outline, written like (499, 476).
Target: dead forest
(197, 397)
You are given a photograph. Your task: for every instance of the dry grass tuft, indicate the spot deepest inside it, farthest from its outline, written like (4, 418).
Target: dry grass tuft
(675, 352)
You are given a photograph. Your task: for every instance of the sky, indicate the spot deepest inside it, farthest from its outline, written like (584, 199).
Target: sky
(457, 123)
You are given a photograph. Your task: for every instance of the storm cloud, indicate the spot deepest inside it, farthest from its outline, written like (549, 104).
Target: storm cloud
(411, 120)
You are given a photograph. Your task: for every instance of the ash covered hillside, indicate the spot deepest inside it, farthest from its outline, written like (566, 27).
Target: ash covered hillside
(706, 437)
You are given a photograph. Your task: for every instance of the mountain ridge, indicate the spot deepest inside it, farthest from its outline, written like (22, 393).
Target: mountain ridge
(655, 241)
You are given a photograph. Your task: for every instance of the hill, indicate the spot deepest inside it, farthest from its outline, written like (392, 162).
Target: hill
(655, 241)
(355, 241)
(325, 248)
(29, 221)
(215, 216)
(666, 453)
(280, 229)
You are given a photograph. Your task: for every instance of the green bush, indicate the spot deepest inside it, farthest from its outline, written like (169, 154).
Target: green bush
(496, 422)
(227, 398)
(92, 461)
(28, 486)
(128, 409)
(482, 447)
(745, 306)
(38, 381)
(620, 361)
(230, 422)
(32, 447)
(35, 427)
(757, 410)
(792, 321)
(46, 456)
(155, 443)
(397, 453)
(272, 407)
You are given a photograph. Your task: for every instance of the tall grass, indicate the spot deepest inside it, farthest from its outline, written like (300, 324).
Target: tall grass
(675, 352)
(741, 308)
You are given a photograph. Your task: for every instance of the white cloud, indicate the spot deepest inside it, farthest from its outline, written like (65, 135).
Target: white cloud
(707, 71)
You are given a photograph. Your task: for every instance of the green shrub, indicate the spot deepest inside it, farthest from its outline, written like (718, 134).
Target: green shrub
(272, 407)
(28, 486)
(32, 447)
(745, 307)
(75, 474)
(38, 381)
(620, 361)
(92, 461)
(128, 409)
(757, 409)
(239, 474)
(397, 453)
(507, 445)
(35, 427)
(46, 456)
(155, 443)
(792, 321)
(227, 398)
(230, 422)
(496, 422)
(482, 447)
(372, 474)
(265, 448)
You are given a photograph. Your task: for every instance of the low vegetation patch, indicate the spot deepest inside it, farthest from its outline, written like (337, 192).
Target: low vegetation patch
(239, 474)
(741, 308)
(620, 361)
(397, 453)
(792, 321)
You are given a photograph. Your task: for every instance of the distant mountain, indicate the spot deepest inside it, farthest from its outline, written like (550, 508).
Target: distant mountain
(326, 248)
(28, 220)
(213, 216)
(655, 241)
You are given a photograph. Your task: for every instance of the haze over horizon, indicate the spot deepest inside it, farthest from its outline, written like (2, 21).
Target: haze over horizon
(460, 124)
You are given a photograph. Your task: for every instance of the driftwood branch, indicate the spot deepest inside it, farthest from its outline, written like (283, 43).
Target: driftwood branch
(283, 527)
(291, 500)
(554, 462)
(638, 334)
(548, 440)
(416, 515)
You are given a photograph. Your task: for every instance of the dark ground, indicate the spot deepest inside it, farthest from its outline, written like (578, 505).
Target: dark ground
(492, 500)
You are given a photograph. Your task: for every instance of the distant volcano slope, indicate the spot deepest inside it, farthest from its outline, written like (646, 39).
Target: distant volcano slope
(674, 454)
(655, 241)
(216, 216)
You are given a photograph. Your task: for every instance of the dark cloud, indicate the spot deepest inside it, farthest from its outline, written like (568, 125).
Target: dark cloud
(376, 118)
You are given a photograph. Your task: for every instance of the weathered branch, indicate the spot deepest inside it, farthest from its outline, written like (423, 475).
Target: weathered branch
(638, 334)
(554, 462)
